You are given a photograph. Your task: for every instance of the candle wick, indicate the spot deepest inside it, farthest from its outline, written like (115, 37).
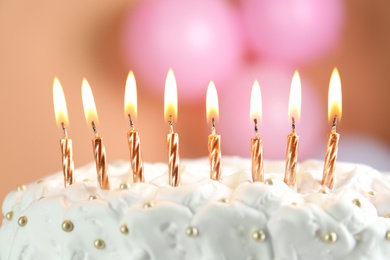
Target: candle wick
(256, 127)
(64, 130)
(131, 122)
(334, 123)
(170, 122)
(293, 124)
(94, 128)
(213, 126)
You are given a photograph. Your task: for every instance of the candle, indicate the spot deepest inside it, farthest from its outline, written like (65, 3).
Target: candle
(99, 150)
(170, 114)
(334, 114)
(214, 140)
(133, 138)
(294, 111)
(256, 142)
(61, 114)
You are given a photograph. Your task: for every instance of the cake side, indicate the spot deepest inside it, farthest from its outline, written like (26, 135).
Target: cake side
(201, 219)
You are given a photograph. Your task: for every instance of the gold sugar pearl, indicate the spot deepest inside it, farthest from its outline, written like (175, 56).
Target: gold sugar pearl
(192, 231)
(124, 186)
(67, 226)
(269, 181)
(124, 229)
(357, 203)
(258, 235)
(22, 221)
(99, 244)
(372, 193)
(294, 204)
(388, 235)
(21, 187)
(86, 180)
(329, 237)
(224, 200)
(323, 191)
(9, 215)
(387, 216)
(93, 197)
(148, 205)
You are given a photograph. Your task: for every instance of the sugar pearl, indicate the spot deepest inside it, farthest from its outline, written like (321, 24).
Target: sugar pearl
(329, 237)
(9, 215)
(258, 235)
(22, 221)
(124, 229)
(192, 231)
(99, 244)
(124, 186)
(67, 226)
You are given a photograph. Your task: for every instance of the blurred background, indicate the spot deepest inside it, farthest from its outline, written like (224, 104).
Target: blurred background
(232, 43)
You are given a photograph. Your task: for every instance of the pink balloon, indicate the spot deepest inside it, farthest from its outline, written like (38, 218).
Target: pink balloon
(199, 39)
(293, 31)
(236, 129)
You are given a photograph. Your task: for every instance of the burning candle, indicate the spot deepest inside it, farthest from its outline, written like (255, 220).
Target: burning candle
(99, 150)
(294, 111)
(214, 140)
(61, 114)
(256, 142)
(170, 114)
(334, 114)
(133, 138)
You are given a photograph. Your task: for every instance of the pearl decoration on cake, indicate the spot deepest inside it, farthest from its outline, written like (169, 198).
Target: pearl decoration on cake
(388, 235)
(124, 229)
(357, 203)
(148, 205)
(372, 193)
(387, 216)
(93, 197)
(192, 231)
(22, 221)
(329, 237)
(324, 191)
(124, 186)
(99, 244)
(67, 226)
(21, 187)
(269, 181)
(9, 215)
(258, 235)
(224, 200)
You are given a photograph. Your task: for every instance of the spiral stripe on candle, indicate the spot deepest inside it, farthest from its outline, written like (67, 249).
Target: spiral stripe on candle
(330, 159)
(101, 162)
(257, 159)
(214, 145)
(291, 159)
(173, 159)
(136, 163)
(67, 161)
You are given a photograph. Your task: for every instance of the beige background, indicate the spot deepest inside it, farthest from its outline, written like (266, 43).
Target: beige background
(75, 39)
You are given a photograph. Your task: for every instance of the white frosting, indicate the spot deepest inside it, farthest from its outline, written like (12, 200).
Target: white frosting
(224, 217)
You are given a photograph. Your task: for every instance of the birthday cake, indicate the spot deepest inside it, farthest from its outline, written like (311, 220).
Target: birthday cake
(201, 219)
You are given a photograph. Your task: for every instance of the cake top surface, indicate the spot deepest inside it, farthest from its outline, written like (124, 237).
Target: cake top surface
(301, 222)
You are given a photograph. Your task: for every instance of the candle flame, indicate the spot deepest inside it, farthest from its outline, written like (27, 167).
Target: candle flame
(294, 103)
(334, 96)
(60, 110)
(212, 106)
(170, 97)
(131, 96)
(256, 104)
(88, 103)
